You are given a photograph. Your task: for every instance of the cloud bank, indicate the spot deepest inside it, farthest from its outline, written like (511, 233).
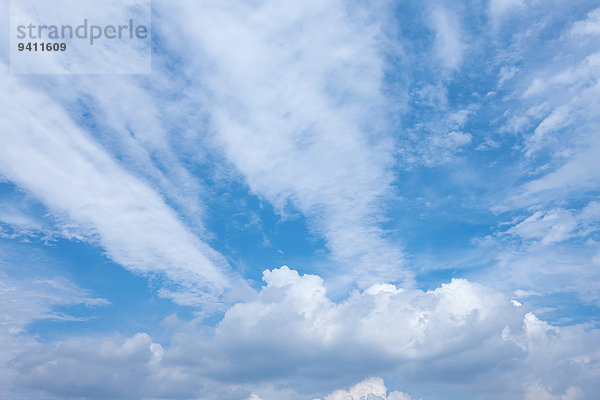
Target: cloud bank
(292, 341)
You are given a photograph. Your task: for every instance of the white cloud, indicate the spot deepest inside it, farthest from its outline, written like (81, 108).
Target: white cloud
(565, 126)
(369, 389)
(151, 136)
(588, 26)
(552, 108)
(497, 9)
(438, 142)
(296, 108)
(578, 173)
(105, 368)
(45, 153)
(507, 73)
(292, 335)
(391, 323)
(558, 225)
(23, 300)
(539, 392)
(442, 147)
(534, 268)
(596, 259)
(449, 44)
(28, 299)
(411, 332)
(578, 109)
(18, 220)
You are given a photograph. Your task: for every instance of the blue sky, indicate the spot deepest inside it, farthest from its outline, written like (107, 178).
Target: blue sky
(310, 200)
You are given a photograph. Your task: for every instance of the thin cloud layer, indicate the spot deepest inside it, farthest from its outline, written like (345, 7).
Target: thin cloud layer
(302, 119)
(27, 299)
(45, 153)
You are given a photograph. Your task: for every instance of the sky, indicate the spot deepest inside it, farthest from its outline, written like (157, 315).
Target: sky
(317, 199)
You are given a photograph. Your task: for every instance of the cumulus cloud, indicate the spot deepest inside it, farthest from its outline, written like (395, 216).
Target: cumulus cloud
(292, 335)
(369, 389)
(539, 392)
(107, 368)
(407, 324)
(459, 331)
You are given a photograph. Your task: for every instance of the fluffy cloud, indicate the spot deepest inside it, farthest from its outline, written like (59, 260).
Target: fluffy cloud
(369, 389)
(407, 324)
(539, 392)
(282, 344)
(108, 368)
(460, 331)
